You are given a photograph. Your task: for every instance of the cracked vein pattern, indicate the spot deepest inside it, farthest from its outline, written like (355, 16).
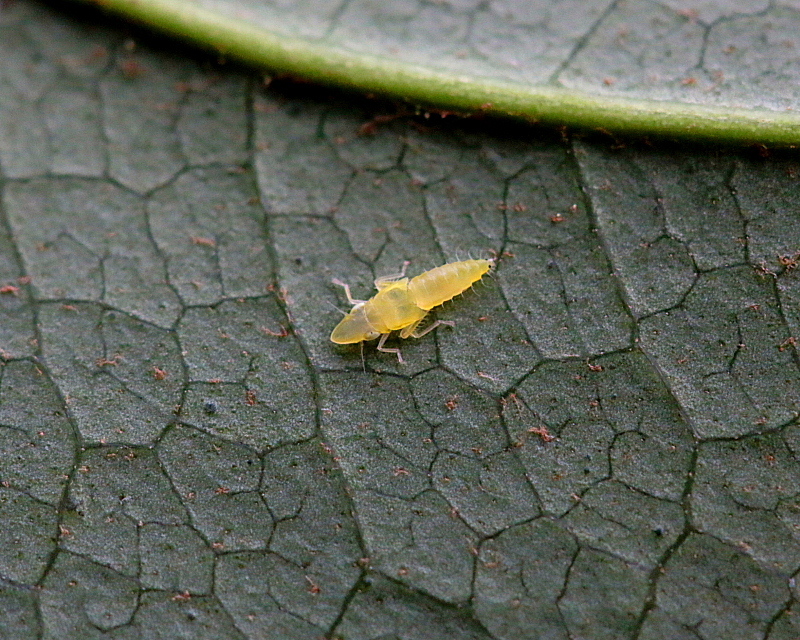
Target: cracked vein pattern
(410, 530)
(519, 579)
(382, 608)
(605, 446)
(739, 596)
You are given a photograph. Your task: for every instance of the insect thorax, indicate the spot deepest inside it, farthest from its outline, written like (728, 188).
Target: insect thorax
(391, 308)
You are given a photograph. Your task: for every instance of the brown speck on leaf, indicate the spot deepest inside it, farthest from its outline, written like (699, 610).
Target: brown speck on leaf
(791, 341)
(9, 289)
(399, 471)
(744, 546)
(217, 546)
(371, 128)
(159, 374)
(222, 491)
(689, 82)
(23, 280)
(131, 68)
(543, 433)
(608, 81)
(63, 531)
(250, 398)
(762, 269)
(689, 14)
(326, 448)
(557, 218)
(451, 403)
(182, 596)
(103, 362)
(403, 571)
(203, 242)
(594, 367)
(790, 262)
(514, 399)
(313, 587)
(520, 207)
(282, 333)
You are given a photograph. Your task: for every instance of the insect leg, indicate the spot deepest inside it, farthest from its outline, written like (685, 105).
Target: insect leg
(388, 350)
(380, 283)
(410, 329)
(447, 323)
(347, 291)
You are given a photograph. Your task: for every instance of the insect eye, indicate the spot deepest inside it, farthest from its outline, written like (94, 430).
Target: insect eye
(371, 335)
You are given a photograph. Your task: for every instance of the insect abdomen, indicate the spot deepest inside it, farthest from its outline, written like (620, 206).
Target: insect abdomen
(439, 285)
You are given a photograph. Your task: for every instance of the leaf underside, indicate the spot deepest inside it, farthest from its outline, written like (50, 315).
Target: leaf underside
(604, 446)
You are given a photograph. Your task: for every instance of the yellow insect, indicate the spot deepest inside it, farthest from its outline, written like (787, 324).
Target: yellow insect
(402, 303)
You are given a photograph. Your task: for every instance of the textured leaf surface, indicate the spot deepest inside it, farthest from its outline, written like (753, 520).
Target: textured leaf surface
(605, 446)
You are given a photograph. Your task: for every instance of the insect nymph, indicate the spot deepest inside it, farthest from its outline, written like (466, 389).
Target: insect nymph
(402, 303)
